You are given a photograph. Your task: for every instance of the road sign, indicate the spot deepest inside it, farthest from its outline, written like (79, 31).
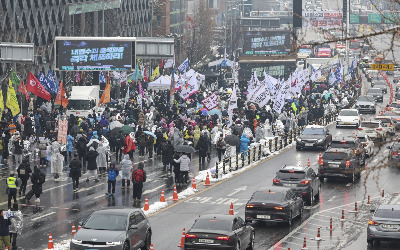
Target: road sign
(374, 18)
(387, 67)
(354, 18)
(17, 53)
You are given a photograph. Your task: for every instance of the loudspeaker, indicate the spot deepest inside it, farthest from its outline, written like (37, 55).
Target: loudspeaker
(297, 13)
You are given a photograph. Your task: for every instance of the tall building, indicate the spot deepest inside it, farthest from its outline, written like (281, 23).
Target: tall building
(39, 21)
(169, 17)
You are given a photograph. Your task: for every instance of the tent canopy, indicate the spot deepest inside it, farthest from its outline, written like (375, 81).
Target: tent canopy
(221, 62)
(209, 73)
(162, 83)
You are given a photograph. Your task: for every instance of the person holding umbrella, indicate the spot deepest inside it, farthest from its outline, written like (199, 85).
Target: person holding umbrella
(184, 161)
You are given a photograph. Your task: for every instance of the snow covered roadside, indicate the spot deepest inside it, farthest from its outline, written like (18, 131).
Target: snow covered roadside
(63, 245)
(155, 207)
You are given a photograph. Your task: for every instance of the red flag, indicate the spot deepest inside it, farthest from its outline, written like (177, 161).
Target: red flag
(23, 90)
(34, 86)
(162, 63)
(145, 78)
(60, 98)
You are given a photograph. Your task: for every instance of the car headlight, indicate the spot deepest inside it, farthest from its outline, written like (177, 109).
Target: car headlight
(357, 105)
(114, 243)
(298, 139)
(76, 241)
(320, 140)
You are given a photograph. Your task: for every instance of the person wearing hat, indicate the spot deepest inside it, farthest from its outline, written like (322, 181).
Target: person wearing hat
(112, 178)
(24, 173)
(16, 225)
(75, 172)
(12, 184)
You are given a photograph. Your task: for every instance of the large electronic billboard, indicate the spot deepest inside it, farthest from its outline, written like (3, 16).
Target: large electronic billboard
(93, 55)
(276, 69)
(276, 42)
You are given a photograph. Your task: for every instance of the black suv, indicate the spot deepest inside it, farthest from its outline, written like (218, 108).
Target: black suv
(302, 180)
(376, 93)
(353, 143)
(314, 136)
(339, 162)
(380, 84)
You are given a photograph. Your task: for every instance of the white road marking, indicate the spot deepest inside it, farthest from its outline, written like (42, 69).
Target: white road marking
(362, 172)
(237, 190)
(394, 201)
(98, 196)
(88, 188)
(153, 190)
(40, 217)
(331, 199)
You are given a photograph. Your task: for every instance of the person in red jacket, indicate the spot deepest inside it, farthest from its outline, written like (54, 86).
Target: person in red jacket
(129, 147)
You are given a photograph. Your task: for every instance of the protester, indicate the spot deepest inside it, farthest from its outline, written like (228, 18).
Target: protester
(119, 146)
(221, 146)
(12, 184)
(177, 169)
(37, 179)
(129, 146)
(126, 165)
(138, 177)
(75, 172)
(16, 225)
(24, 172)
(112, 178)
(43, 152)
(92, 165)
(4, 230)
(184, 161)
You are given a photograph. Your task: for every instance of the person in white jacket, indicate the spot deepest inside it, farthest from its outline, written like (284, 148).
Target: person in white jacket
(126, 165)
(184, 161)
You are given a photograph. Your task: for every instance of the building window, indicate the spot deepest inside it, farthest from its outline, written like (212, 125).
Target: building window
(158, 21)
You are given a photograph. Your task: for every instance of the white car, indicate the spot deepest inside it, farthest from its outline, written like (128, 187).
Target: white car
(388, 125)
(348, 117)
(368, 144)
(373, 129)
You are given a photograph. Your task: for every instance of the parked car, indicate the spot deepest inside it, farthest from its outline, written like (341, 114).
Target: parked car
(339, 162)
(384, 224)
(396, 118)
(368, 144)
(388, 125)
(314, 137)
(348, 117)
(394, 157)
(301, 179)
(274, 204)
(373, 129)
(220, 231)
(376, 93)
(351, 142)
(366, 104)
(126, 228)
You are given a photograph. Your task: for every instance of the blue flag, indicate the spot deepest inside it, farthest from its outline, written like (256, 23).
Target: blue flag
(56, 81)
(184, 66)
(45, 82)
(51, 79)
(101, 77)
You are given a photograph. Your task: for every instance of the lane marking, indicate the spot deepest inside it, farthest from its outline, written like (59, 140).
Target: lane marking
(40, 217)
(237, 190)
(153, 190)
(394, 201)
(331, 199)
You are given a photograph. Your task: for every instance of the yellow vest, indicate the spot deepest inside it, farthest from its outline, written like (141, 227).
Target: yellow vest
(11, 182)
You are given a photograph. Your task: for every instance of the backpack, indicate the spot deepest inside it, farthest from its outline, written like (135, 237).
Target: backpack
(138, 175)
(41, 179)
(112, 175)
(120, 141)
(95, 145)
(220, 143)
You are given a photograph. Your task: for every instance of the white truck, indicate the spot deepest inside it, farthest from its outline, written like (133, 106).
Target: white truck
(84, 100)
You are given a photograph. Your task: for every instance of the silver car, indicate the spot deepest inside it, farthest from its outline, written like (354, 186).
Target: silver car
(384, 224)
(112, 229)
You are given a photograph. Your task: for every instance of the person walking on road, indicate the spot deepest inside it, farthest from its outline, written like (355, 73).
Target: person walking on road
(177, 169)
(24, 173)
(221, 146)
(37, 179)
(75, 172)
(168, 156)
(142, 143)
(16, 225)
(129, 146)
(91, 158)
(202, 146)
(126, 165)
(184, 161)
(138, 177)
(150, 145)
(4, 231)
(18, 147)
(102, 159)
(112, 178)
(42, 152)
(81, 148)
(119, 146)
(12, 184)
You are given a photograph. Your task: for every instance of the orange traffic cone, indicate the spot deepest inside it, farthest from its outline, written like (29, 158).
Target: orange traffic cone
(151, 247)
(182, 244)
(162, 198)
(320, 158)
(73, 229)
(146, 204)
(308, 163)
(79, 228)
(175, 196)
(207, 181)
(231, 209)
(194, 184)
(50, 244)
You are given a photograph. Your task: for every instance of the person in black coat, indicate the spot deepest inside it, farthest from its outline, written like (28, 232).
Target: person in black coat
(202, 146)
(28, 129)
(92, 164)
(4, 231)
(24, 173)
(177, 168)
(37, 179)
(81, 149)
(168, 155)
(75, 172)
(18, 147)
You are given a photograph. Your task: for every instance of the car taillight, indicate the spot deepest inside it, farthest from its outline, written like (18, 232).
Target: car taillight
(279, 208)
(222, 237)
(348, 163)
(191, 236)
(391, 125)
(249, 206)
(371, 222)
(355, 151)
(276, 181)
(360, 129)
(379, 129)
(321, 161)
(305, 182)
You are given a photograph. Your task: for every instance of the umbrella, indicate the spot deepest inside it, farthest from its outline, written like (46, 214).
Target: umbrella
(115, 131)
(150, 133)
(185, 149)
(115, 124)
(232, 140)
(126, 129)
(214, 112)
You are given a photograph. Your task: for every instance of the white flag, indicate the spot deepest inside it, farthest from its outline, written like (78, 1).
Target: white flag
(261, 96)
(232, 104)
(279, 103)
(189, 88)
(169, 63)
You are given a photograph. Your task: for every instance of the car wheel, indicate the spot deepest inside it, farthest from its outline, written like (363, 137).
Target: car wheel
(319, 192)
(147, 243)
(298, 148)
(237, 246)
(370, 242)
(325, 146)
(251, 245)
(126, 246)
(310, 198)
(289, 222)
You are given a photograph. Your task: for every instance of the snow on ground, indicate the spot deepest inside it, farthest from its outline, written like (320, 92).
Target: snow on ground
(63, 245)
(155, 207)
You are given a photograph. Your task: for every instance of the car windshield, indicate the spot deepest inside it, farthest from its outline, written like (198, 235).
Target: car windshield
(334, 156)
(375, 91)
(313, 131)
(269, 196)
(343, 144)
(369, 125)
(387, 213)
(365, 99)
(110, 222)
(78, 105)
(348, 113)
(287, 174)
(379, 83)
(395, 105)
(212, 224)
(384, 120)
(362, 139)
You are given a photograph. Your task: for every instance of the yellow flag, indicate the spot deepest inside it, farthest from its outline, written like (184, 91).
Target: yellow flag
(12, 101)
(1, 104)
(105, 98)
(156, 72)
